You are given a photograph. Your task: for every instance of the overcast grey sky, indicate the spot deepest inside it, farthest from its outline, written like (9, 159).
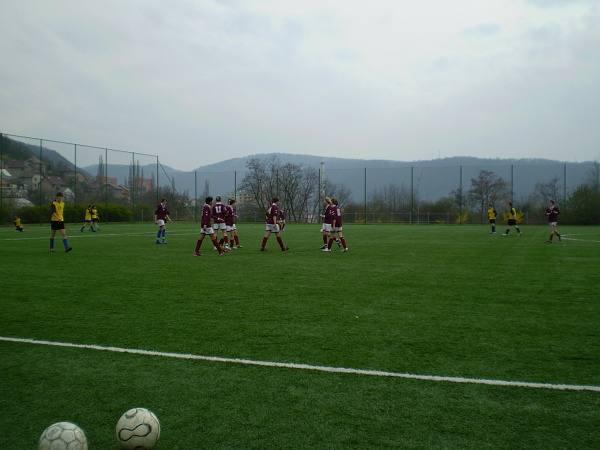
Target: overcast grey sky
(200, 81)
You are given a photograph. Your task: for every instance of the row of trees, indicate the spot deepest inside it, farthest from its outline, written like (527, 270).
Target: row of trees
(301, 190)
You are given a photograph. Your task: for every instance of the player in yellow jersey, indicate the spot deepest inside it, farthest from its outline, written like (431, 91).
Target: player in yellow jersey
(512, 220)
(18, 224)
(95, 218)
(57, 222)
(88, 219)
(492, 217)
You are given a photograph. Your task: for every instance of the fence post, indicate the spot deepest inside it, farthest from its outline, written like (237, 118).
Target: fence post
(565, 188)
(105, 181)
(75, 172)
(460, 195)
(40, 184)
(365, 195)
(133, 183)
(512, 182)
(412, 192)
(156, 188)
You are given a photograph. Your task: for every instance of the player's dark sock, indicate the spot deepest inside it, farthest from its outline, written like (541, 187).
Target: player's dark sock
(280, 242)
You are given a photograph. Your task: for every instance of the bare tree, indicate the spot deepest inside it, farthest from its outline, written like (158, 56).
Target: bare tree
(339, 191)
(485, 189)
(396, 196)
(594, 176)
(548, 191)
(295, 184)
(261, 180)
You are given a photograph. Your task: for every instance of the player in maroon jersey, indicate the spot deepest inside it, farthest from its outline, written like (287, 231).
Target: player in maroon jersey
(281, 218)
(336, 227)
(273, 226)
(231, 227)
(219, 212)
(207, 228)
(552, 212)
(161, 215)
(326, 230)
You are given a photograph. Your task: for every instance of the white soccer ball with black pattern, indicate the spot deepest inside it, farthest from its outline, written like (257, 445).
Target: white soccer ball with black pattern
(138, 428)
(63, 436)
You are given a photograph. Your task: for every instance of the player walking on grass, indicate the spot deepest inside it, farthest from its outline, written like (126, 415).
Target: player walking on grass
(336, 227)
(219, 212)
(512, 220)
(492, 217)
(281, 218)
(552, 212)
(234, 240)
(161, 216)
(95, 218)
(273, 226)
(207, 229)
(88, 219)
(57, 222)
(327, 218)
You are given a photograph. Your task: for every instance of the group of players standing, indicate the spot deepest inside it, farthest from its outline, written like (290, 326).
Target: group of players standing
(222, 217)
(332, 225)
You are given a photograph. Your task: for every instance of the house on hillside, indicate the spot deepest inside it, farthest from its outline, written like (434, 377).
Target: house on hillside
(16, 168)
(31, 180)
(36, 165)
(116, 192)
(70, 174)
(51, 183)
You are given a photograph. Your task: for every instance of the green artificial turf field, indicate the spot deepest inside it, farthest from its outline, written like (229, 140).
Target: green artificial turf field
(432, 300)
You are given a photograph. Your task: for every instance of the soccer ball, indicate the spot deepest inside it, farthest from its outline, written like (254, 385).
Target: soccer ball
(138, 428)
(63, 436)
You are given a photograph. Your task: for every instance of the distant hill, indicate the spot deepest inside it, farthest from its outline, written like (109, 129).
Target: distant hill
(432, 179)
(21, 151)
(349, 163)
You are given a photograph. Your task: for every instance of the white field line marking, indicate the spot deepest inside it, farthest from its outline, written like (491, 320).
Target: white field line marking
(570, 387)
(579, 240)
(151, 235)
